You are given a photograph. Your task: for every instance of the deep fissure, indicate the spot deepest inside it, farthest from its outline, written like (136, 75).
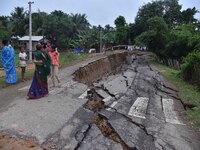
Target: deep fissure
(96, 104)
(85, 134)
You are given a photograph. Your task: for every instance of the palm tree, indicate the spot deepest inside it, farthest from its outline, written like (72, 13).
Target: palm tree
(79, 22)
(19, 20)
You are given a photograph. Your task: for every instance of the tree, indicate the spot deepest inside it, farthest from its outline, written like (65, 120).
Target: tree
(86, 39)
(146, 12)
(79, 22)
(39, 23)
(58, 28)
(121, 30)
(172, 12)
(156, 37)
(108, 34)
(5, 27)
(20, 21)
(183, 40)
(188, 15)
(190, 69)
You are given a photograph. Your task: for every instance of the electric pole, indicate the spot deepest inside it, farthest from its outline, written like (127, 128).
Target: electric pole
(100, 44)
(30, 32)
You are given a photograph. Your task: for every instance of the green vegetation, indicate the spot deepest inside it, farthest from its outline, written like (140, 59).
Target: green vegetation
(3, 84)
(121, 30)
(187, 92)
(190, 68)
(68, 58)
(171, 34)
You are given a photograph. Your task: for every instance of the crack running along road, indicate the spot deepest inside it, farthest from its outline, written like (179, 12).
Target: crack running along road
(61, 121)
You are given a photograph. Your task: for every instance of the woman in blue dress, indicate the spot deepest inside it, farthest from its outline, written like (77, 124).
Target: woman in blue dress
(8, 61)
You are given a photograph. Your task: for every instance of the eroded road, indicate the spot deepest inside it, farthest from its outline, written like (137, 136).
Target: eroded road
(118, 102)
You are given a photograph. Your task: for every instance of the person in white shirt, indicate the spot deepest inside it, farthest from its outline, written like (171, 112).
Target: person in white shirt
(22, 62)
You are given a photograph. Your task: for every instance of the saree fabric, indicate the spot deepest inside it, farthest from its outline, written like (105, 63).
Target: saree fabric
(39, 85)
(8, 61)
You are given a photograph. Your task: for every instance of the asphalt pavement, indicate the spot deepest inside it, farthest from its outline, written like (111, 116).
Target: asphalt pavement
(130, 107)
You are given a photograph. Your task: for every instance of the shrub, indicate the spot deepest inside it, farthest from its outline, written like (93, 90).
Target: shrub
(190, 68)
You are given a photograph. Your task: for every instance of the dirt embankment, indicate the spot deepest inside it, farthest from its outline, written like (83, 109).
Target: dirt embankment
(95, 70)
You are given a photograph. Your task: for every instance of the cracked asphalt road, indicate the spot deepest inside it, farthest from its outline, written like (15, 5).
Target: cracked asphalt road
(128, 106)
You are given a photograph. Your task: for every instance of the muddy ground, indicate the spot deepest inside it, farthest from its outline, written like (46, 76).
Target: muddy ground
(10, 142)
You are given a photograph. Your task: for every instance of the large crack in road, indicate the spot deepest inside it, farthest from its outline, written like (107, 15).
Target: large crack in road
(96, 104)
(145, 81)
(119, 102)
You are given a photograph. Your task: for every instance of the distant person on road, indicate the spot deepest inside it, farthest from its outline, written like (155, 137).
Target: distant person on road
(22, 62)
(8, 61)
(130, 48)
(54, 54)
(39, 85)
(104, 49)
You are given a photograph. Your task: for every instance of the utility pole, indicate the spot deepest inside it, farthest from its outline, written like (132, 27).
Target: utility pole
(30, 32)
(100, 36)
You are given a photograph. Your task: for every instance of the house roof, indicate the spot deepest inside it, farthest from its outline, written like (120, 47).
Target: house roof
(33, 38)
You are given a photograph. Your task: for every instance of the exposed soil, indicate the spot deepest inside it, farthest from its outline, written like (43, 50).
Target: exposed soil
(108, 131)
(8, 142)
(95, 103)
(95, 70)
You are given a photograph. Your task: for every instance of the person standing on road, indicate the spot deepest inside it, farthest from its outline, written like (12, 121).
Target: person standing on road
(54, 54)
(22, 62)
(39, 85)
(104, 49)
(8, 61)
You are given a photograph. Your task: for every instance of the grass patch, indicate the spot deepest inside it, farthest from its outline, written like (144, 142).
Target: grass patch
(3, 84)
(187, 92)
(68, 58)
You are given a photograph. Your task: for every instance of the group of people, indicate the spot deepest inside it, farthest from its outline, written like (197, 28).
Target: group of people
(46, 60)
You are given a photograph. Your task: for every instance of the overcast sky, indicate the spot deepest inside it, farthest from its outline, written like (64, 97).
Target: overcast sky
(97, 11)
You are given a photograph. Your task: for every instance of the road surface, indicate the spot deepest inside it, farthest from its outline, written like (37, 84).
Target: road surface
(120, 102)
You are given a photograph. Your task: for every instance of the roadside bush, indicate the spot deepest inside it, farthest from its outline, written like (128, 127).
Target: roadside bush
(190, 68)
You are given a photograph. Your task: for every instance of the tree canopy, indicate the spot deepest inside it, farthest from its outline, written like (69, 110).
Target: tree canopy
(166, 29)
(158, 25)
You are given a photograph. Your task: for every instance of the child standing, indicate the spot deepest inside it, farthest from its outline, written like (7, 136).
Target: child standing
(22, 62)
(54, 54)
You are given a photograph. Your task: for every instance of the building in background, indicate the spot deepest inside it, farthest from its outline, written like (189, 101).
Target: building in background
(24, 41)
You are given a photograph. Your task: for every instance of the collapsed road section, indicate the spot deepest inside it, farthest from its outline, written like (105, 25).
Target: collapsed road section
(115, 102)
(133, 106)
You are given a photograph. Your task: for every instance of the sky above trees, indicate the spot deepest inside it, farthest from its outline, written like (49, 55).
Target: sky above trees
(97, 11)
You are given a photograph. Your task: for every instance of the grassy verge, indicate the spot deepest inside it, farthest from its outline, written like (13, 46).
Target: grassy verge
(68, 58)
(187, 92)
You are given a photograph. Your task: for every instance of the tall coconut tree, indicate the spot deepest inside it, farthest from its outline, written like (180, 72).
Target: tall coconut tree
(19, 20)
